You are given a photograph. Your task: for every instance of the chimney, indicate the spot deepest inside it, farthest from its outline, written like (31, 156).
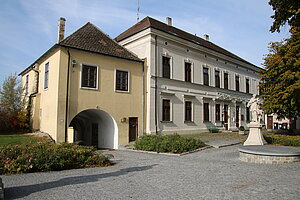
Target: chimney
(61, 29)
(206, 37)
(169, 21)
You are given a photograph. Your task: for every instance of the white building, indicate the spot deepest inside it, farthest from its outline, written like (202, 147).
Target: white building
(191, 84)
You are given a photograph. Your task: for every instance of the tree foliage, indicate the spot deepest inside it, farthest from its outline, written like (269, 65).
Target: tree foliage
(281, 79)
(285, 11)
(12, 105)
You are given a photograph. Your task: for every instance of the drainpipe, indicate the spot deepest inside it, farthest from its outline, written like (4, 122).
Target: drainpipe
(67, 97)
(143, 96)
(155, 100)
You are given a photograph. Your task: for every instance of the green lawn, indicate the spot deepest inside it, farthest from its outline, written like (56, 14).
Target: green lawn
(16, 139)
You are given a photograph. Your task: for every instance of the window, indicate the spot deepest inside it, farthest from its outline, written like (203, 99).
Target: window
(188, 111)
(26, 84)
(46, 75)
(89, 76)
(237, 116)
(188, 72)
(226, 80)
(247, 114)
(247, 86)
(218, 113)
(121, 80)
(205, 76)
(217, 79)
(237, 83)
(166, 112)
(166, 67)
(206, 111)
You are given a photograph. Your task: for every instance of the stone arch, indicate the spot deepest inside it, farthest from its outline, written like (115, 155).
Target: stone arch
(95, 127)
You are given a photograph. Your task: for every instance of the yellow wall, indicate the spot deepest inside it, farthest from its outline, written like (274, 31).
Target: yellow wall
(49, 105)
(117, 104)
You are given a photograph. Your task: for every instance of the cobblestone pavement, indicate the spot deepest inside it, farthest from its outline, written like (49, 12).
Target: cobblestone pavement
(209, 174)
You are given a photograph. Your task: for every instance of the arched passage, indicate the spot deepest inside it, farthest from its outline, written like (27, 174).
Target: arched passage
(95, 127)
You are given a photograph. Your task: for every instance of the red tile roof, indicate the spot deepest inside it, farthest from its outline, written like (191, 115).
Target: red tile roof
(149, 22)
(91, 38)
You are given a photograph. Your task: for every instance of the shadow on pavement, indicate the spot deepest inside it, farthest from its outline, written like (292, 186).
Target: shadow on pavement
(23, 191)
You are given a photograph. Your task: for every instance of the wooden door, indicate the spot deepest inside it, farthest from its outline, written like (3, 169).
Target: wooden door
(95, 134)
(226, 117)
(270, 122)
(133, 128)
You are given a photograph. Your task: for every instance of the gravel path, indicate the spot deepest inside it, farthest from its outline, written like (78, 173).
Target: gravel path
(209, 174)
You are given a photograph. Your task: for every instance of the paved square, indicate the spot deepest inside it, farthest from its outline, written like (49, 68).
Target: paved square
(210, 174)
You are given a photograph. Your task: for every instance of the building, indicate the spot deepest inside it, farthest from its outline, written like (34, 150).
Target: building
(191, 84)
(86, 88)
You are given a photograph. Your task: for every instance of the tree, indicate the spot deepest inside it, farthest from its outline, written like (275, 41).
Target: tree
(281, 79)
(12, 104)
(285, 11)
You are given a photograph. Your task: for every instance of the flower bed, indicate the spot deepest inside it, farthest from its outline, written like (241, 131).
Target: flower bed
(169, 143)
(39, 157)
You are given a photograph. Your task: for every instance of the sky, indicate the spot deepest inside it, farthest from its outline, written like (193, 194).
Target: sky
(29, 27)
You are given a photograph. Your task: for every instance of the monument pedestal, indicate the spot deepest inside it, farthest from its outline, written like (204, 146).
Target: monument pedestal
(255, 136)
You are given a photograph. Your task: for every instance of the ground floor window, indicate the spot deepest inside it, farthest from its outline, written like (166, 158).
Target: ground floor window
(166, 111)
(206, 112)
(218, 113)
(188, 111)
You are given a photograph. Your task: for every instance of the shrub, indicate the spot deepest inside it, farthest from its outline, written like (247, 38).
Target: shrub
(169, 143)
(37, 157)
(242, 128)
(285, 140)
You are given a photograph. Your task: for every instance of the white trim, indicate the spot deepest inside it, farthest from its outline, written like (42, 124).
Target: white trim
(165, 54)
(128, 81)
(192, 111)
(171, 110)
(80, 77)
(192, 70)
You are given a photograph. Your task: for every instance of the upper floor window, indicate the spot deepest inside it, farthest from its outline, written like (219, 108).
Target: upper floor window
(166, 67)
(226, 80)
(218, 112)
(205, 76)
(247, 86)
(217, 79)
(237, 83)
(46, 79)
(122, 80)
(188, 72)
(26, 84)
(166, 110)
(188, 111)
(206, 112)
(89, 76)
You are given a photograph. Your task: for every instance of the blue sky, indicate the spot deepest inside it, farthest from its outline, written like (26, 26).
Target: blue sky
(29, 27)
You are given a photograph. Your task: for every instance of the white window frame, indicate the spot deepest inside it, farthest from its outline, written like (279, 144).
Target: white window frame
(171, 64)
(192, 70)
(171, 109)
(27, 84)
(47, 63)
(80, 77)
(128, 81)
(192, 112)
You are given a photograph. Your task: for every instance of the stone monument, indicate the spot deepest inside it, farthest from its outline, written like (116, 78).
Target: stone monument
(255, 136)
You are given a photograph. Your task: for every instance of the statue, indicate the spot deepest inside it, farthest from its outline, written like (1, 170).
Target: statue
(254, 105)
(255, 134)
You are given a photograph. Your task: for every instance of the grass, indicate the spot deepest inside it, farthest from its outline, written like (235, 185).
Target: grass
(16, 139)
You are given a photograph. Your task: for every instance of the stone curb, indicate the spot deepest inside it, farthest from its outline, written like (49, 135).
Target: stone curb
(1, 190)
(166, 154)
(224, 145)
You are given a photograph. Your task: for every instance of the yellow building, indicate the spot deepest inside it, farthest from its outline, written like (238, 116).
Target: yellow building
(86, 88)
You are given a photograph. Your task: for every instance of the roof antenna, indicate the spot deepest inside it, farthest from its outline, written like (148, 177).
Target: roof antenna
(138, 11)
